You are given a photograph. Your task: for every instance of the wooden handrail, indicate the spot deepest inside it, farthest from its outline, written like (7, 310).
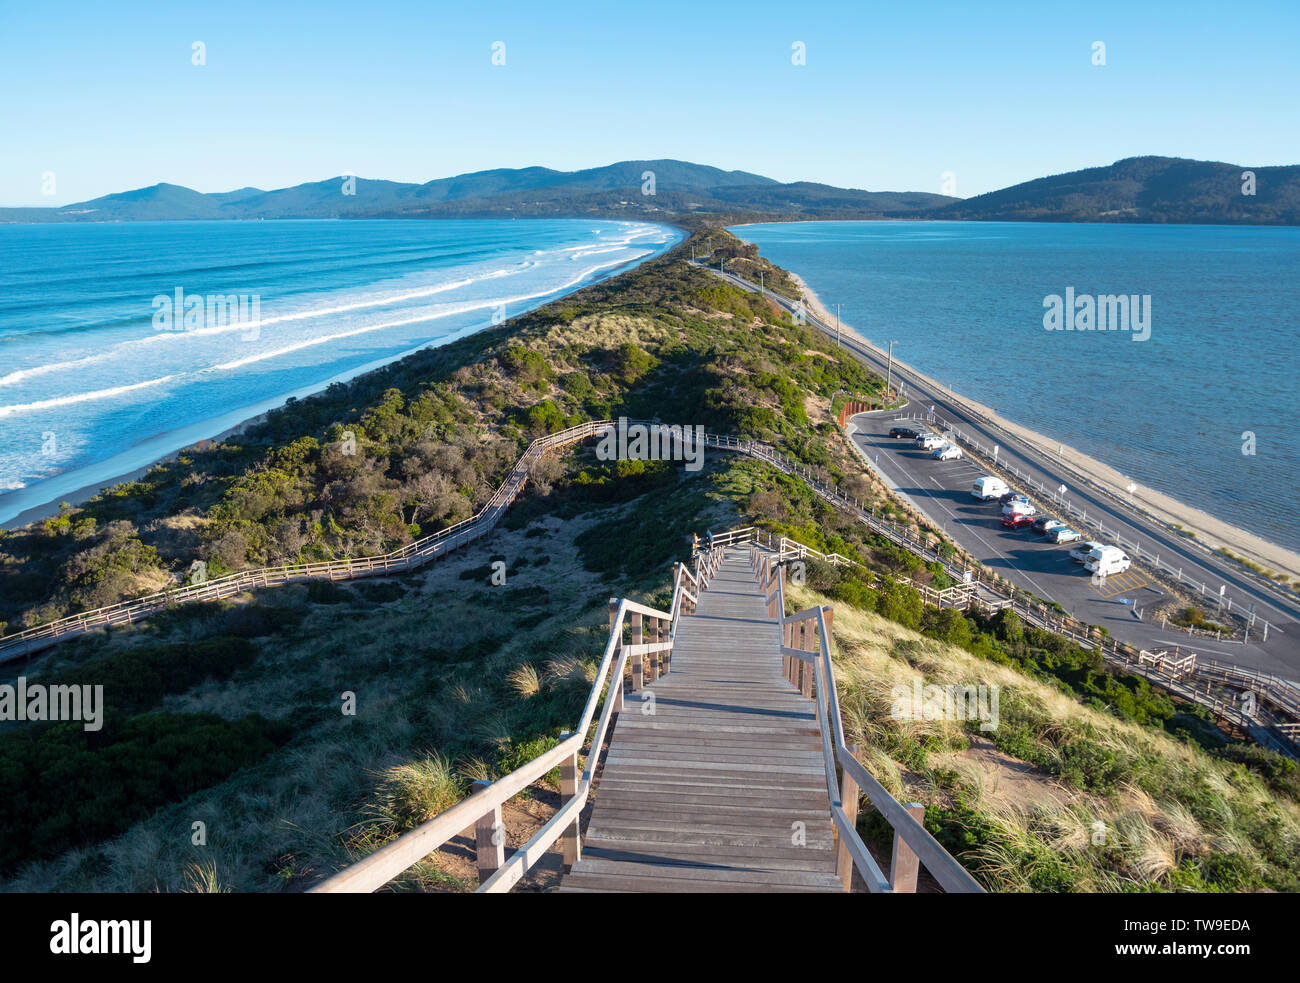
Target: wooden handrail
(404, 558)
(945, 869)
(391, 860)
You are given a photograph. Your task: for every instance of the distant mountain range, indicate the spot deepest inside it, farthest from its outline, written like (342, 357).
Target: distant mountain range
(1138, 189)
(1145, 189)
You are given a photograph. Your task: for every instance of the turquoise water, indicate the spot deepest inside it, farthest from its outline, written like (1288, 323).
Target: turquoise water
(96, 380)
(965, 304)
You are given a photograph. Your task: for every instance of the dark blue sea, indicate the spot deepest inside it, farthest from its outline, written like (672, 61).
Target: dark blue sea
(107, 361)
(965, 304)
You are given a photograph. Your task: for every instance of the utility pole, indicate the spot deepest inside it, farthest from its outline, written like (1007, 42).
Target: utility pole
(837, 325)
(889, 372)
(760, 283)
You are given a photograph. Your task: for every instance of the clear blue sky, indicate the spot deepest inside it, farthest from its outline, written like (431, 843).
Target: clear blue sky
(893, 94)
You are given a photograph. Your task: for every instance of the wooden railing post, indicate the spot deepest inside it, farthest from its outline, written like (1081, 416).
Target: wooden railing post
(638, 661)
(802, 675)
(652, 636)
(849, 802)
(806, 667)
(666, 656)
(571, 838)
(787, 639)
(489, 838)
(904, 864)
(616, 679)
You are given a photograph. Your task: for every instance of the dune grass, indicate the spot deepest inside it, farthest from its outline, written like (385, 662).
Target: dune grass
(1127, 808)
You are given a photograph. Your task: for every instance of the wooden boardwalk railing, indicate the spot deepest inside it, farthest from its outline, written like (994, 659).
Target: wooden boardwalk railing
(988, 593)
(408, 557)
(700, 794)
(482, 809)
(713, 780)
(806, 646)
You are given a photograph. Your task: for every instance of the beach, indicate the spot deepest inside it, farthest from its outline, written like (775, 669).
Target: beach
(1207, 529)
(99, 384)
(87, 492)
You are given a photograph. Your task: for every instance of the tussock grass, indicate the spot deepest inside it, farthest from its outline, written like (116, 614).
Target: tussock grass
(1135, 809)
(526, 680)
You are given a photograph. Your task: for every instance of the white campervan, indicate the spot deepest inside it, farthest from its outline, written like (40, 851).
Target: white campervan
(989, 487)
(1105, 560)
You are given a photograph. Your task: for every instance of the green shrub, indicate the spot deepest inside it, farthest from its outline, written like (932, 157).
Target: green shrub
(65, 786)
(138, 678)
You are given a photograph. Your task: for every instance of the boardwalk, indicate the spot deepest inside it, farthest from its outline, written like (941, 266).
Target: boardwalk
(714, 779)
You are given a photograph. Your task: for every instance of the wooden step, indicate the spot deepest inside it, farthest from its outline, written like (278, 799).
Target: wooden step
(704, 793)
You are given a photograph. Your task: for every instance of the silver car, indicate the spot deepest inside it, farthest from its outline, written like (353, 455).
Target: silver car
(1081, 552)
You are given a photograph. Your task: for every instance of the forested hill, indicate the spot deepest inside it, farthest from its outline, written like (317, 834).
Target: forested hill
(1146, 189)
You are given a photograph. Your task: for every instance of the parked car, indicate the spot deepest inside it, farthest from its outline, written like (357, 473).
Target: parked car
(1045, 524)
(906, 432)
(948, 452)
(1019, 506)
(987, 487)
(1081, 552)
(1105, 560)
(1009, 496)
(929, 441)
(1017, 520)
(1064, 534)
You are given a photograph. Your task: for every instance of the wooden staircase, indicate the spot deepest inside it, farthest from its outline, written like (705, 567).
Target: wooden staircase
(729, 772)
(714, 780)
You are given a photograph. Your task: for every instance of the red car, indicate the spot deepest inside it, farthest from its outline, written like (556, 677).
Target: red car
(1017, 520)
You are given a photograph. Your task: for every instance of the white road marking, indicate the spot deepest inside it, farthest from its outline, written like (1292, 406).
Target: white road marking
(995, 551)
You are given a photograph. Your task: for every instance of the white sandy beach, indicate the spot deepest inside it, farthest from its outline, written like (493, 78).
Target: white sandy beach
(1208, 530)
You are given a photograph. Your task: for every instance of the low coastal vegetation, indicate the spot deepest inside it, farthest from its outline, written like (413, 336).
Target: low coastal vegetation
(453, 676)
(1060, 797)
(405, 451)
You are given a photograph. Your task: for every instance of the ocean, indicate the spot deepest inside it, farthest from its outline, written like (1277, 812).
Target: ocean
(122, 342)
(1202, 408)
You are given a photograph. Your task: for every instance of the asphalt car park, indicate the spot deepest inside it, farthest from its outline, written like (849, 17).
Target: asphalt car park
(1117, 584)
(942, 489)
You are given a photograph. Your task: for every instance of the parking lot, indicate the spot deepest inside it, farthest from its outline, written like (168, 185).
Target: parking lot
(1125, 583)
(942, 490)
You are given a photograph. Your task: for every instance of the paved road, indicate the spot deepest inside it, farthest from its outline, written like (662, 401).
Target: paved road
(942, 491)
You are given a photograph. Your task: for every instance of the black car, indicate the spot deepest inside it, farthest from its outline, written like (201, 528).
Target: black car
(1043, 521)
(907, 432)
(1008, 497)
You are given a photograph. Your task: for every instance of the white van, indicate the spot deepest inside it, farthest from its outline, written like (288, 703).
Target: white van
(989, 487)
(1105, 560)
